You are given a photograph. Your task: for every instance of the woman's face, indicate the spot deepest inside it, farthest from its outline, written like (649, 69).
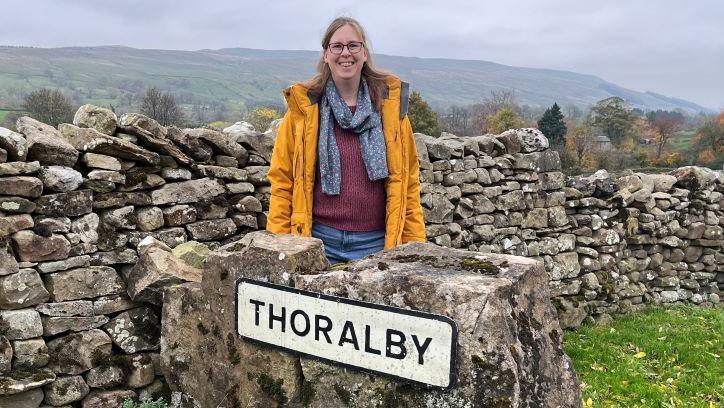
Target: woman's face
(345, 66)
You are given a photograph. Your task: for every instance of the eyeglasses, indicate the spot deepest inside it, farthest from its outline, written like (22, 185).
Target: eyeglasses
(353, 46)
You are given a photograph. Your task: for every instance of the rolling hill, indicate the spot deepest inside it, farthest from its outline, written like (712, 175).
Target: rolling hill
(117, 75)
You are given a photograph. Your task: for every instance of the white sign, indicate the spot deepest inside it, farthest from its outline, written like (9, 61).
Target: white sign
(405, 344)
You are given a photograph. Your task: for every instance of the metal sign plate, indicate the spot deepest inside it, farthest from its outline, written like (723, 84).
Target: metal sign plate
(404, 344)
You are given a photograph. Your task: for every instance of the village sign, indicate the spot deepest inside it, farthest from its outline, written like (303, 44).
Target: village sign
(404, 344)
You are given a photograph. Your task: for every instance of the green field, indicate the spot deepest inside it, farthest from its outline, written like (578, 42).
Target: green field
(2, 115)
(682, 140)
(660, 358)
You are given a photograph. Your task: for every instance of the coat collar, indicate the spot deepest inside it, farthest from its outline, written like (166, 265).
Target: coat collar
(298, 96)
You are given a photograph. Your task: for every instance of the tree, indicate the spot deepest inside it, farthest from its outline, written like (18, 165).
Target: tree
(503, 120)
(497, 101)
(580, 142)
(552, 125)
(422, 118)
(49, 106)
(614, 117)
(262, 117)
(666, 126)
(708, 142)
(456, 121)
(162, 107)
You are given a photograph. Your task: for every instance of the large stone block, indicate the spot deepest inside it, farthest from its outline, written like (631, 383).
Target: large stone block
(152, 134)
(192, 146)
(14, 143)
(135, 330)
(694, 178)
(11, 224)
(28, 399)
(70, 204)
(57, 325)
(210, 230)
(83, 283)
(187, 191)
(107, 399)
(220, 143)
(21, 383)
(23, 186)
(30, 247)
(22, 289)
(77, 353)
(510, 344)
(30, 354)
(66, 309)
(103, 120)
(16, 205)
(20, 324)
(60, 178)
(46, 144)
(91, 140)
(198, 323)
(156, 269)
(525, 365)
(65, 390)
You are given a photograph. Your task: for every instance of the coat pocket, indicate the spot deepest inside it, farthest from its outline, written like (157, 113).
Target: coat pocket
(297, 223)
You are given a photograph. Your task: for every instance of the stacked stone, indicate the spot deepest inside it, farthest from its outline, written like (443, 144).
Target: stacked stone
(95, 215)
(501, 194)
(644, 238)
(75, 203)
(609, 244)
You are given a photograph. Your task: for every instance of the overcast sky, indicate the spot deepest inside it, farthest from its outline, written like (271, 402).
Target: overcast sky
(672, 47)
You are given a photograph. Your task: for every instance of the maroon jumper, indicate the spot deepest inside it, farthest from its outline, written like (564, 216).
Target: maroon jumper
(361, 203)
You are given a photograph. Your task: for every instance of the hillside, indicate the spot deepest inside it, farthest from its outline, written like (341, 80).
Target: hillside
(116, 75)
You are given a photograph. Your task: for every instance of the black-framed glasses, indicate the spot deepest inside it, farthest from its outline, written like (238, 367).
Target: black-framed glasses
(353, 46)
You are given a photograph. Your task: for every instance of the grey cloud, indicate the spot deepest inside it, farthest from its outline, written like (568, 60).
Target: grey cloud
(670, 47)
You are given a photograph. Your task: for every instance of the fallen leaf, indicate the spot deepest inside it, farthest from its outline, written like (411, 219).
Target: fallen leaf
(640, 354)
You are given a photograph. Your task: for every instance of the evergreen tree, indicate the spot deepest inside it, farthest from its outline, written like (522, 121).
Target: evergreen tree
(551, 124)
(422, 118)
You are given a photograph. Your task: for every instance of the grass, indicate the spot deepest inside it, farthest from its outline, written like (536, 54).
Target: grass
(2, 115)
(682, 140)
(658, 358)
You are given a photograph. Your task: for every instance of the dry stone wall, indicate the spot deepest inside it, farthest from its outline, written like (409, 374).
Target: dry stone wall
(79, 310)
(98, 216)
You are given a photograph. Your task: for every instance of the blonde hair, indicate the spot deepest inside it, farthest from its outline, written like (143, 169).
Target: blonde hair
(375, 77)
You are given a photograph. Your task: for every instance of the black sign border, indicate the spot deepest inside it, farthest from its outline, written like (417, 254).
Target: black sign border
(355, 302)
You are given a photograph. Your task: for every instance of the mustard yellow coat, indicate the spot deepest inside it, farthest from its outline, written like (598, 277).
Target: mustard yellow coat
(294, 161)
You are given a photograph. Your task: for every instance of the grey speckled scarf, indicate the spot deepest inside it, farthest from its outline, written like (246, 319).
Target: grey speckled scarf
(366, 123)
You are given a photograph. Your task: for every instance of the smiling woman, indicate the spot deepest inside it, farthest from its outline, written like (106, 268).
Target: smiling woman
(345, 168)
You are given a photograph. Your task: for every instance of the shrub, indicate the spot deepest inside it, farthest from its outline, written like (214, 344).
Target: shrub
(146, 403)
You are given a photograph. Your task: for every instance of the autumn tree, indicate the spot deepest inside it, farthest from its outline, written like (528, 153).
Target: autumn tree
(162, 107)
(614, 117)
(49, 106)
(709, 142)
(262, 117)
(503, 120)
(497, 101)
(422, 118)
(552, 125)
(581, 143)
(666, 126)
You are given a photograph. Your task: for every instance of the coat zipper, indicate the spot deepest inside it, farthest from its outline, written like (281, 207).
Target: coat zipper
(398, 231)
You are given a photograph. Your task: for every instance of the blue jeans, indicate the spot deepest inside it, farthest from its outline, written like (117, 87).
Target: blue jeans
(345, 246)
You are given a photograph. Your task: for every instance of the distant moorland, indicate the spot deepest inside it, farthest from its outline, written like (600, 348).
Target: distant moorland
(237, 78)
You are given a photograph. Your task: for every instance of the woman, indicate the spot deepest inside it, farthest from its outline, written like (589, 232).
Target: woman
(345, 168)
